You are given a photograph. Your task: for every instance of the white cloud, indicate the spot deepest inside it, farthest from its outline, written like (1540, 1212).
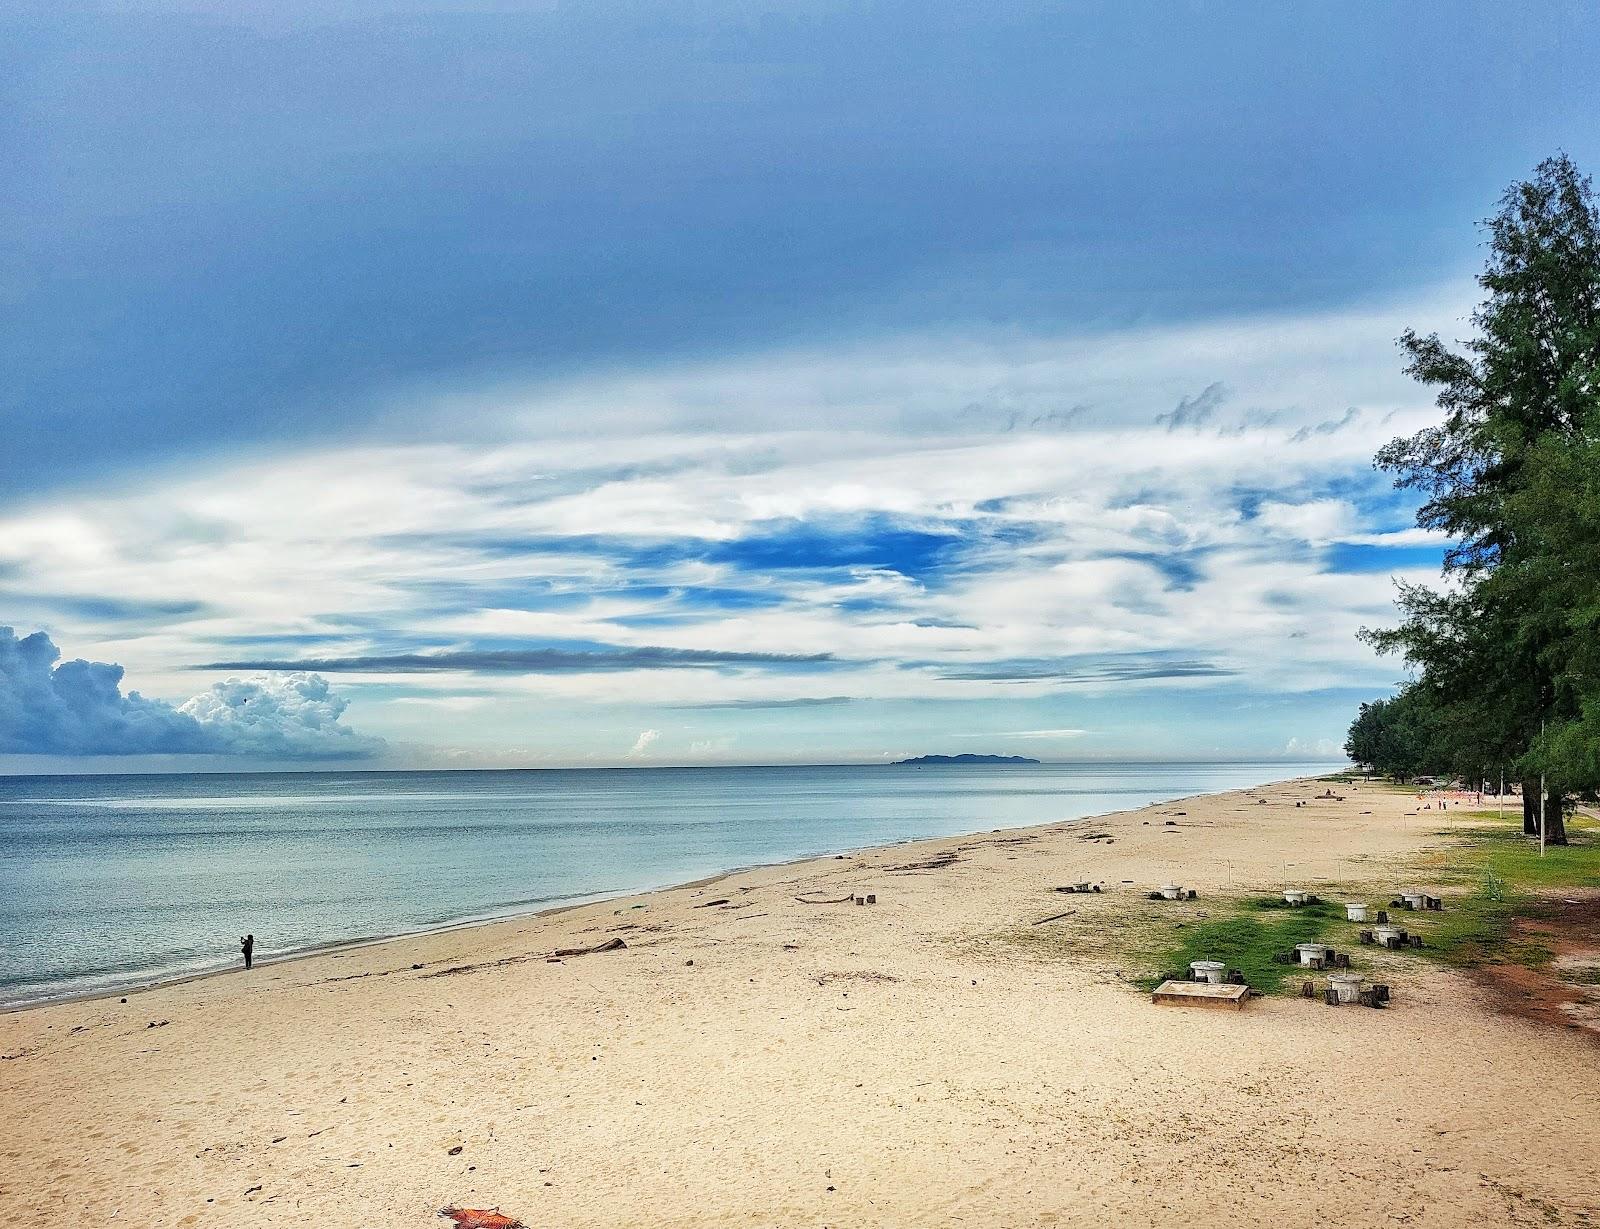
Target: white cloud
(1319, 521)
(643, 742)
(78, 708)
(1314, 747)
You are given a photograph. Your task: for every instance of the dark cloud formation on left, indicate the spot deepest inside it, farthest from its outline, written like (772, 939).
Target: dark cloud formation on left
(78, 708)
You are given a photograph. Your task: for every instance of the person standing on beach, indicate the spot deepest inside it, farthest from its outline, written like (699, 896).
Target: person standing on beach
(247, 945)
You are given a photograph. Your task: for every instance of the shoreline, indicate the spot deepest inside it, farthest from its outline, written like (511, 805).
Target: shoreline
(973, 1048)
(473, 921)
(443, 928)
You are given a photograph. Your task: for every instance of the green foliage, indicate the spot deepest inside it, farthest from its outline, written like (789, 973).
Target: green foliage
(1397, 737)
(1509, 656)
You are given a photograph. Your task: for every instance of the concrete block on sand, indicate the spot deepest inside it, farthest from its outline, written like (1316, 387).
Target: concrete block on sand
(1201, 994)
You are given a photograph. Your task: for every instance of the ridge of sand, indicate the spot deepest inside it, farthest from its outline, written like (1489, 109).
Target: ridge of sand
(765, 1062)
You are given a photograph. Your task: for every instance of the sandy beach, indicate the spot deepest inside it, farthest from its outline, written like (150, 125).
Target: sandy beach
(942, 1057)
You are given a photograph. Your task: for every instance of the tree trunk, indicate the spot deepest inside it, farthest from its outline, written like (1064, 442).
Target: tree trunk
(1555, 832)
(1530, 808)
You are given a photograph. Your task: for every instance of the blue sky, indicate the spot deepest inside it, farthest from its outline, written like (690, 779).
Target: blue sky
(646, 384)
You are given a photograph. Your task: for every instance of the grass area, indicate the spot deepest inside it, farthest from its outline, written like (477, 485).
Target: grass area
(1499, 877)
(1246, 941)
(1498, 847)
(1505, 877)
(1488, 873)
(1136, 940)
(1325, 910)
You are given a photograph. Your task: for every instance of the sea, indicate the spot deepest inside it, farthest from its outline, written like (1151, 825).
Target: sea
(113, 882)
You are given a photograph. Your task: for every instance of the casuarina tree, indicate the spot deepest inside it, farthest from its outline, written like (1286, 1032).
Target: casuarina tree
(1510, 646)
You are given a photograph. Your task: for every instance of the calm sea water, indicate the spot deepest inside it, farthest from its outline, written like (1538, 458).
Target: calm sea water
(109, 882)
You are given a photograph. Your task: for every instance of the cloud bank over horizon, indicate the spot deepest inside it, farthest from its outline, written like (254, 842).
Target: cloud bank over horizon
(77, 708)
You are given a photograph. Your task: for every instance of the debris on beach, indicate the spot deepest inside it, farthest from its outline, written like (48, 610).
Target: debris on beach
(1172, 891)
(1346, 988)
(481, 1218)
(610, 945)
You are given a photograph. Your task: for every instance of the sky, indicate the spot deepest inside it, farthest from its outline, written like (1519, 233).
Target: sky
(543, 384)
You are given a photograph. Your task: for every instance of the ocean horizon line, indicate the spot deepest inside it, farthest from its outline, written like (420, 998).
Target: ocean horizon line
(754, 764)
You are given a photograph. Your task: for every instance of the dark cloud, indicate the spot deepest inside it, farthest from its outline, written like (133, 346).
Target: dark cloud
(560, 219)
(530, 661)
(1194, 411)
(110, 609)
(79, 708)
(1328, 427)
(1090, 670)
(796, 702)
(1007, 420)
(1251, 420)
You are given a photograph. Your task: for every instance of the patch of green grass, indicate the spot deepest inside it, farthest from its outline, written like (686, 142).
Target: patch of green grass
(1507, 878)
(1246, 941)
(1325, 910)
(1488, 872)
(1515, 858)
(1472, 930)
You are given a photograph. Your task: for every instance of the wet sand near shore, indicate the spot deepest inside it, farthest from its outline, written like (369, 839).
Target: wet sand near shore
(748, 1059)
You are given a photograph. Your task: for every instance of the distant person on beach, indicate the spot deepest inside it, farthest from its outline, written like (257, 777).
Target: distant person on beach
(247, 945)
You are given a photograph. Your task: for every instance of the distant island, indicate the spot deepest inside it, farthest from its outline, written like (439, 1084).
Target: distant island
(966, 758)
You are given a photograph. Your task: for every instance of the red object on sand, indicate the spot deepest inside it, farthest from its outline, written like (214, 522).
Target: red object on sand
(481, 1218)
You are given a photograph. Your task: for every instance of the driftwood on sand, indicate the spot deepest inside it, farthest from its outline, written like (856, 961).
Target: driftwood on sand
(832, 900)
(610, 945)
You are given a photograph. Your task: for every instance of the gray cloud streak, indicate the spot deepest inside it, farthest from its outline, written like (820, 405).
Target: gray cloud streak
(797, 702)
(1068, 671)
(1194, 411)
(530, 661)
